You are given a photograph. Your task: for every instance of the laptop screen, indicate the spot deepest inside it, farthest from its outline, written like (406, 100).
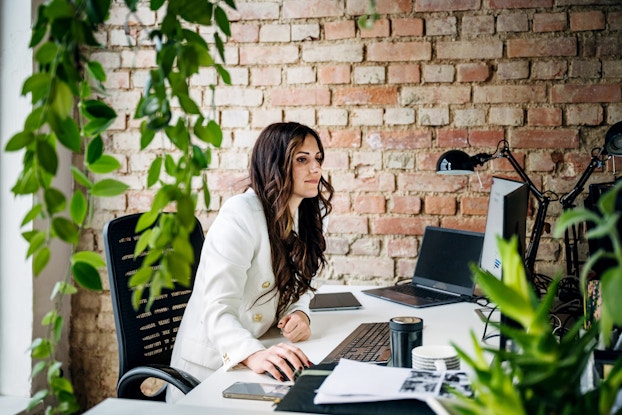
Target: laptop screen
(444, 259)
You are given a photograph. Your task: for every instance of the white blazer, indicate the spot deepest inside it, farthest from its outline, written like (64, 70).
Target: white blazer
(225, 314)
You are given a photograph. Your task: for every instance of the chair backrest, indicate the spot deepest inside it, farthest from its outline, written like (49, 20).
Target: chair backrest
(144, 337)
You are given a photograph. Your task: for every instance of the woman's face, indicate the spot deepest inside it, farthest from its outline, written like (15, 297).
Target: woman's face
(306, 170)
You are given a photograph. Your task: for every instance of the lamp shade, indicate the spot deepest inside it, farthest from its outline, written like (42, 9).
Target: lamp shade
(455, 162)
(613, 139)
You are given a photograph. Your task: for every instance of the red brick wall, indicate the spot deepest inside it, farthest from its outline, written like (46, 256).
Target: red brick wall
(430, 76)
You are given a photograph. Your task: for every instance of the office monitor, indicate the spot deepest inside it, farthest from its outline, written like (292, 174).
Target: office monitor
(507, 216)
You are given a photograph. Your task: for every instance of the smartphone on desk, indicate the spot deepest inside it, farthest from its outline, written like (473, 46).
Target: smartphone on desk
(256, 391)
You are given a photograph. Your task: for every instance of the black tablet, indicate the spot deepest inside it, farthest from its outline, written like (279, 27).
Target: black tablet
(334, 301)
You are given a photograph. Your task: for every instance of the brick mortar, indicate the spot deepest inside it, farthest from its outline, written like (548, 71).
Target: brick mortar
(406, 119)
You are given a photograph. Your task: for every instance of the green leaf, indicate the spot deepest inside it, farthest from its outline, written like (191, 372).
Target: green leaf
(146, 220)
(67, 132)
(58, 9)
(108, 188)
(78, 207)
(105, 164)
(224, 74)
(95, 149)
(96, 71)
(46, 53)
(183, 247)
(40, 28)
(49, 318)
(40, 260)
(188, 105)
(222, 20)
(61, 384)
(199, 157)
(220, 46)
(36, 240)
(38, 368)
(179, 267)
(80, 177)
(572, 217)
(607, 202)
(185, 211)
(32, 214)
(163, 197)
(46, 154)
(55, 200)
(54, 370)
(141, 277)
(85, 89)
(58, 329)
(95, 109)
(143, 242)
(62, 99)
(210, 133)
(19, 141)
(156, 4)
(87, 276)
(170, 166)
(35, 119)
(66, 230)
(610, 291)
(97, 10)
(38, 85)
(137, 295)
(154, 171)
(178, 134)
(61, 287)
(37, 398)
(97, 126)
(194, 38)
(146, 135)
(41, 348)
(89, 257)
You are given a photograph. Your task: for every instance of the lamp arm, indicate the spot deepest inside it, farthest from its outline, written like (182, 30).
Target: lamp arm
(505, 152)
(597, 161)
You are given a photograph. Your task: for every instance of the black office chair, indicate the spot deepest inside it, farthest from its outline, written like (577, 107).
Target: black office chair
(145, 339)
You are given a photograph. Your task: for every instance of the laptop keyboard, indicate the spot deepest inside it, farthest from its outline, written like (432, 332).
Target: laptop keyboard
(369, 342)
(422, 292)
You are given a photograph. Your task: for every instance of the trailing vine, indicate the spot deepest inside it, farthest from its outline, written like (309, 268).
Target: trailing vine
(69, 110)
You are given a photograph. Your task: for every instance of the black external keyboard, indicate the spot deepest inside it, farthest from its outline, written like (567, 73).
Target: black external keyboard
(369, 342)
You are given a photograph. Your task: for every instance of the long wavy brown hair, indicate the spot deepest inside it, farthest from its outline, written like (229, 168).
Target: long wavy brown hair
(296, 256)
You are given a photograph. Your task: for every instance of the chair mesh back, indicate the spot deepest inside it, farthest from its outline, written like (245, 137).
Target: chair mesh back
(144, 337)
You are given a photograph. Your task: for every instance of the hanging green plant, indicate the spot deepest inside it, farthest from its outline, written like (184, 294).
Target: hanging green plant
(69, 110)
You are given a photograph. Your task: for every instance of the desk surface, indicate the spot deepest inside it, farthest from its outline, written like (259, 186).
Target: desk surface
(441, 325)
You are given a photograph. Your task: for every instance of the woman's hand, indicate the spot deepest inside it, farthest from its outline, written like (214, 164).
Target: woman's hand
(295, 326)
(286, 357)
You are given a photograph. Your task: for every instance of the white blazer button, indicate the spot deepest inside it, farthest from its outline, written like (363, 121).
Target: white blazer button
(257, 318)
(265, 284)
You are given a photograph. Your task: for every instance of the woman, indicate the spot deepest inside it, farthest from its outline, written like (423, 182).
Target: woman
(258, 261)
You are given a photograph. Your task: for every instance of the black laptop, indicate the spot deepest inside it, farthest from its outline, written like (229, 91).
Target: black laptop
(442, 274)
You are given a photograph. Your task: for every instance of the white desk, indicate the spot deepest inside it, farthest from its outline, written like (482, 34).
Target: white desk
(441, 324)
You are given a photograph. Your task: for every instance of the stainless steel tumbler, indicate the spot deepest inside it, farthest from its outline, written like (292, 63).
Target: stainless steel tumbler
(406, 334)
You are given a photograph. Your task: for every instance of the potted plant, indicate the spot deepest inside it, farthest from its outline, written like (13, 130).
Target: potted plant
(543, 373)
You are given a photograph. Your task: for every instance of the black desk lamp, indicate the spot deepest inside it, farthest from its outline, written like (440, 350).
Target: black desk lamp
(459, 162)
(612, 147)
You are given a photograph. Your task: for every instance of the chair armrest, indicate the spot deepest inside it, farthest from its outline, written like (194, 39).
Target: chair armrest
(129, 384)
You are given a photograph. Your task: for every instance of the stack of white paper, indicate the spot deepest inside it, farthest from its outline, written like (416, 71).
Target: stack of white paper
(353, 381)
